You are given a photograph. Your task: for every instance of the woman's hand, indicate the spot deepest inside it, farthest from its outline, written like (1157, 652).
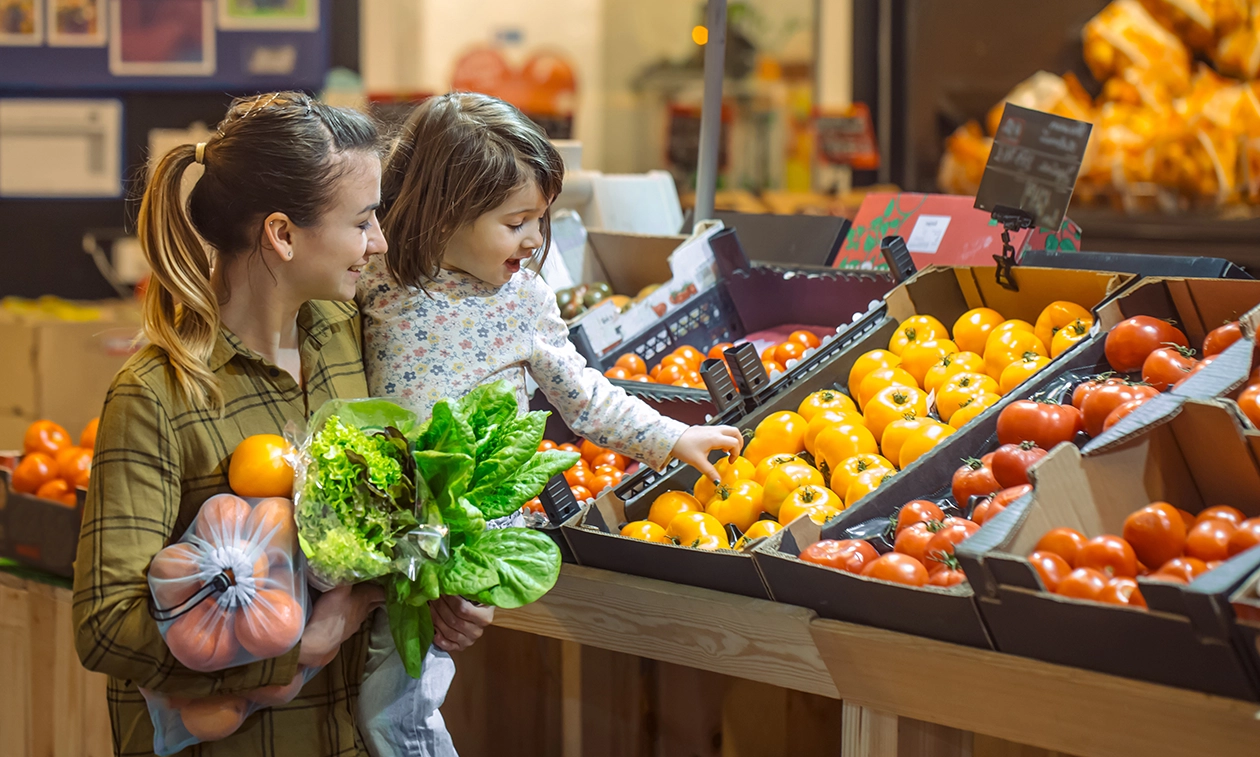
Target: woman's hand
(337, 616)
(457, 623)
(697, 442)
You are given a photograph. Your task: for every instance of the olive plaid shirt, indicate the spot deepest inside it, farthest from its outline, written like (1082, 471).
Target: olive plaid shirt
(157, 459)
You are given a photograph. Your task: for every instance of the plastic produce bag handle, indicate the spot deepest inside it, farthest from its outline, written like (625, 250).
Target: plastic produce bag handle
(220, 583)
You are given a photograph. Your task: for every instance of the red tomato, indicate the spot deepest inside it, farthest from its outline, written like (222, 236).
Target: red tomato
(1108, 554)
(1130, 342)
(1156, 532)
(897, 568)
(1168, 365)
(1249, 403)
(973, 478)
(1221, 337)
(1010, 494)
(1115, 415)
(609, 458)
(1086, 388)
(1011, 462)
(1051, 567)
(1082, 583)
(580, 493)
(534, 506)
(946, 577)
(951, 534)
(1099, 404)
(1044, 423)
(1064, 542)
(1185, 568)
(1205, 362)
(845, 554)
(1209, 539)
(1245, 537)
(1222, 512)
(578, 475)
(914, 539)
(1122, 591)
(918, 511)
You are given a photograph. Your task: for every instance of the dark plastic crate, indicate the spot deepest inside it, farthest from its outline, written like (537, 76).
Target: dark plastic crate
(39, 532)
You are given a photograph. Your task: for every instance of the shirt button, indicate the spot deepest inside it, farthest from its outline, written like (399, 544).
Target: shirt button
(274, 372)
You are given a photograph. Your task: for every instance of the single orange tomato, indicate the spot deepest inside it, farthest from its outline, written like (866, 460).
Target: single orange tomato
(546, 444)
(693, 356)
(728, 472)
(919, 357)
(972, 329)
(850, 468)
(260, 467)
(867, 362)
(608, 457)
(783, 431)
(957, 362)
(892, 404)
(763, 468)
(617, 372)
(670, 504)
(46, 437)
(534, 506)
(824, 418)
(896, 433)
(826, 399)
(921, 442)
(87, 439)
(72, 462)
(34, 470)
(807, 338)
(786, 479)
(772, 367)
(788, 351)
(590, 450)
(841, 441)
(567, 447)
(740, 502)
(646, 530)
(642, 378)
(718, 351)
(671, 373)
(581, 493)
(818, 502)
(58, 490)
(632, 363)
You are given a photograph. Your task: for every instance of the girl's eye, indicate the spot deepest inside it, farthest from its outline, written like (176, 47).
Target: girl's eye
(517, 226)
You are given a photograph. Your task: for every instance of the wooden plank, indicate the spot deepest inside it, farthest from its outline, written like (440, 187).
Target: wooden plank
(688, 712)
(991, 746)
(813, 725)
(15, 669)
(1030, 702)
(755, 719)
(916, 738)
(570, 699)
(616, 704)
(728, 634)
(868, 732)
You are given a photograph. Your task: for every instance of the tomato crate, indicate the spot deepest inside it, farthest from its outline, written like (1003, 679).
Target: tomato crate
(951, 614)
(1187, 452)
(39, 532)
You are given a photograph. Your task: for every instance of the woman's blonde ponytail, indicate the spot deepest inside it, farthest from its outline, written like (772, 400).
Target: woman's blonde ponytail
(181, 310)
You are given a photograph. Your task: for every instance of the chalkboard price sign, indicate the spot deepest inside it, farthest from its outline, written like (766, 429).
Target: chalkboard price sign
(1033, 167)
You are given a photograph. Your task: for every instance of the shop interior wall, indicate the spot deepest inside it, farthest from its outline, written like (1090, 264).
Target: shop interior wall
(41, 241)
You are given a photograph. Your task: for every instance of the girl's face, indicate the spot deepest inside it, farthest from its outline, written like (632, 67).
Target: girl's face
(493, 247)
(329, 256)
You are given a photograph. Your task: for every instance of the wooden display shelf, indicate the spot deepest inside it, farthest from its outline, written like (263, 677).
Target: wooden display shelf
(883, 675)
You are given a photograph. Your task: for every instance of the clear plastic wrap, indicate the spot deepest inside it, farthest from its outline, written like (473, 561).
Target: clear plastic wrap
(232, 590)
(1125, 44)
(180, 722)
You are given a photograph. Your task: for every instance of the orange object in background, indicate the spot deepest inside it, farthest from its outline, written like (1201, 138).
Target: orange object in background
(259, 468)
(46, 437)
(87, 439)
(57, 490)
(35, 470)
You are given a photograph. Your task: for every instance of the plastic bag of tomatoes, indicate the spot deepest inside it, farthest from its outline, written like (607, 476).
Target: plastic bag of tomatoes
(180, 722)
(232, 590)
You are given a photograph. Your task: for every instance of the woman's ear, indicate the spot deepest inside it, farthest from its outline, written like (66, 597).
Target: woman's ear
(277, 235)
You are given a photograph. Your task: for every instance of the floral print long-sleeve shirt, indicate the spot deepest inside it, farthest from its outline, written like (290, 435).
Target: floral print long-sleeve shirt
(423, 346)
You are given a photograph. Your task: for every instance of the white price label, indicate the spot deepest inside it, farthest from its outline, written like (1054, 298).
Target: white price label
(927, 234)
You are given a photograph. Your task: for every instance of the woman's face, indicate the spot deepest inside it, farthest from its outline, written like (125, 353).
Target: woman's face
(329, 256)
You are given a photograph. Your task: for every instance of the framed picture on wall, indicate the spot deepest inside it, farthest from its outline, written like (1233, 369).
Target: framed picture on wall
(161, 38)
(21, 23)
(76, 23)
(270, 15)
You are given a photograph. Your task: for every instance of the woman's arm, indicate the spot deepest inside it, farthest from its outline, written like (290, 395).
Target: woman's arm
(132, 507)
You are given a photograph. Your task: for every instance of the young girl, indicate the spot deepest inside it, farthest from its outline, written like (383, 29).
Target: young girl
(467, 192)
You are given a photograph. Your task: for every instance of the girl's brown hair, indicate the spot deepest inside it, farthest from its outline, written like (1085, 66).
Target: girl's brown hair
(272, 153)
(459, 156)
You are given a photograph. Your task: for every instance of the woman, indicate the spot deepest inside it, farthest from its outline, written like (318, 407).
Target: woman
(262, 337)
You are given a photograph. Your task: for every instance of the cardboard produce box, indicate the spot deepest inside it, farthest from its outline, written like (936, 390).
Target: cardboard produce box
(1194, 454)
(41, 533)
(59, 369)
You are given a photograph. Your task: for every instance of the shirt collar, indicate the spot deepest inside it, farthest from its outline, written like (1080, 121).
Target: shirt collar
(316, 321)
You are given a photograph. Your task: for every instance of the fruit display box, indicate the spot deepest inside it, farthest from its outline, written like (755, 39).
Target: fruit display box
(951, 614)
(39, 532)
(946, 292)
(1190, 453)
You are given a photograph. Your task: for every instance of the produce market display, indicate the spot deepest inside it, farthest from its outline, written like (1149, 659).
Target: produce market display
(52, 466)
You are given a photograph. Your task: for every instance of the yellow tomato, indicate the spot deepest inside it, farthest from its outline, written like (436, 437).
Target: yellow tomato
(960, 388)
(972, 329)
(757, 450)
(892, 404)
(916, 328)
(868, 362)
(919, 357)
(783, 431)
(1012, 325)
(971, 408)
(759, 530)
(958, 362)
(699, 530)
(647, 531)
(819, 502)
(850, 468)
(1007, 347)
(786, 478)
(866, 483)
(823, 420)
(1057, 315)
(880, 379)
(1021, 370)
(670, 504)
(922, 441)
(843, 440)
(827, 399)
(896, 433)
(770, 463)
(739, 502)
(1067, 337)
(727, 472)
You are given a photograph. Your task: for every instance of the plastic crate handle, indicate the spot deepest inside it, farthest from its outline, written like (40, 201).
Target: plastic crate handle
(897, 255)
(558, 501)
(750, 375)
(720, 384)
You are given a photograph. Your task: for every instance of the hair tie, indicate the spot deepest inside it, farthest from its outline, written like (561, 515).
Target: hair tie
(200, 154)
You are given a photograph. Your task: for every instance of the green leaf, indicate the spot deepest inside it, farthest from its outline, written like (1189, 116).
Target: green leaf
(488, 405)
(468, 572)
(527, 561)
(509, 448)
(463, 519)
(446, 475)
(448, 432)
(412, 628)
(368, 414)
(498, 499)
